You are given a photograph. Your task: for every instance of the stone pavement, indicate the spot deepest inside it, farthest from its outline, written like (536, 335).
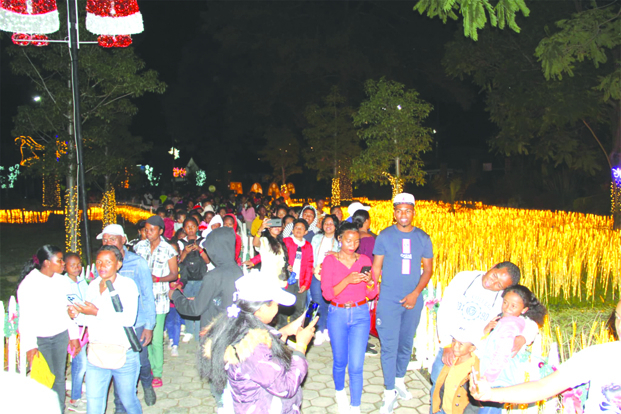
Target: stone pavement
(185, 392)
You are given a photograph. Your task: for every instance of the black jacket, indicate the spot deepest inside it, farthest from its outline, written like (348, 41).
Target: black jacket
(218, 283)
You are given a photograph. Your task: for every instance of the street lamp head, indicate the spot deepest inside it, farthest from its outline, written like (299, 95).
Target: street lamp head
(36, 98)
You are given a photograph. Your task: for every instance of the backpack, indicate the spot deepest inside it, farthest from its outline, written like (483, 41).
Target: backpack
(193, 267)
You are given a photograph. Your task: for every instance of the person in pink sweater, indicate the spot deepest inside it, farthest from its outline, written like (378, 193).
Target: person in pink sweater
(348, 287)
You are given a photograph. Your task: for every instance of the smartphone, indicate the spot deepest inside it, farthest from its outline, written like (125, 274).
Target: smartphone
(365, 269)
(74, 299)
(275, 223)
(311, 312)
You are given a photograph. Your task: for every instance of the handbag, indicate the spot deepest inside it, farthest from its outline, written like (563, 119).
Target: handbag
(40, 371)
(107, 356)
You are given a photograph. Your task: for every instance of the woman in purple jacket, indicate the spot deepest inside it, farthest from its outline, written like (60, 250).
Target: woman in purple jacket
(248, 361)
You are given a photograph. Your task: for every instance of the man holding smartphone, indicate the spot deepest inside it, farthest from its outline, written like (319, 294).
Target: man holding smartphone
(399, 251)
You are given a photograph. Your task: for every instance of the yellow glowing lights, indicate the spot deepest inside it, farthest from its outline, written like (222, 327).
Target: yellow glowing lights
(179, 172)
(32, 146)
(72, 222)
(336, 192)
(108, 204)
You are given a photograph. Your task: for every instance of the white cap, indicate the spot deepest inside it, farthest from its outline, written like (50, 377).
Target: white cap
(209, 207)
(258, 287)
(462, 335)
(112, 229)
(355, 206)
(403, 198)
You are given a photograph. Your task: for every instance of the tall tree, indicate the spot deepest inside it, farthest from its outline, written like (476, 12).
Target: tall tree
(592, 34)
(282, 151)
(332, 142)
(108, 81)
(562, 123)
(475, 13)
(390, 122)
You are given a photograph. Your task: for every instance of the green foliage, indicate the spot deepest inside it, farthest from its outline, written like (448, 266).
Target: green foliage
(475, 13)
(282, 151)
(331, 138)
(534, 116)
(587, 35)
(108, 80)
(390, 125)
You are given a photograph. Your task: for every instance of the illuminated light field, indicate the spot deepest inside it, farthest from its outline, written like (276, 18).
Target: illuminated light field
(564, 257)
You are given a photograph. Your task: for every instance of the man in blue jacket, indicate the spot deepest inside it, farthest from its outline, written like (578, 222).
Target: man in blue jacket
(137, 269)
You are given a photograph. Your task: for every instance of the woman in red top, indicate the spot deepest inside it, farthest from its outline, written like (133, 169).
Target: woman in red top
(348, 291)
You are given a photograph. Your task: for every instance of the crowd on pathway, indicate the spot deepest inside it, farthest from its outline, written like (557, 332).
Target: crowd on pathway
(316, 278)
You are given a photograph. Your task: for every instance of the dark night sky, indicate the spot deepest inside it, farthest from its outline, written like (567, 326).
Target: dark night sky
(173, 36)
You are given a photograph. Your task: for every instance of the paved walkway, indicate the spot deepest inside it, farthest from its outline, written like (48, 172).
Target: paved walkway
(185, 392)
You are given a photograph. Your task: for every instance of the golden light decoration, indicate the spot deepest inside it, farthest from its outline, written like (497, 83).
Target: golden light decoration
(72, 222)
(179, 172)
(236, 187)
(395, 183)
(30, 144)
(273, 190)
(22, 216)
(256, 188)
(51, 191)
(336, 192)
(125, 182)
(108, 204)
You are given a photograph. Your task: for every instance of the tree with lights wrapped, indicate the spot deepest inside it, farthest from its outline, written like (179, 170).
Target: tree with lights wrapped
(108, 80)
(390, 122)
(332, 143)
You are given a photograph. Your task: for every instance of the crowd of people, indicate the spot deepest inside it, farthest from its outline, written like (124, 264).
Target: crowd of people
(247, 313)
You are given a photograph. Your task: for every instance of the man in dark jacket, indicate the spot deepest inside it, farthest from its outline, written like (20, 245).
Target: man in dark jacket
(217, 283)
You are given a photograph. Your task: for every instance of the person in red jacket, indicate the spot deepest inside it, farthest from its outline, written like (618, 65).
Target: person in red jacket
(300, 259)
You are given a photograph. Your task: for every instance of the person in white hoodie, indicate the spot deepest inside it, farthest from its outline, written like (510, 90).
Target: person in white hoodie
(470, 302)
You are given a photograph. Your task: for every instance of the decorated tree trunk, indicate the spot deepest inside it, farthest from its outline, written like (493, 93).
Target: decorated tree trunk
(108, 204)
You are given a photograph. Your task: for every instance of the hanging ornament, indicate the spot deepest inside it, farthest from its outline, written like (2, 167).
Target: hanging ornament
(29, 16)
(114, 20)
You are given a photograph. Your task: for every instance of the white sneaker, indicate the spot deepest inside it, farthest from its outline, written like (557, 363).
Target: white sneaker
(390, 400)
(402, 391)
(342, 401)
(326, 335)
(319, 338)
(354, 410)
(187, 337)
(170, 344)
(174, 351)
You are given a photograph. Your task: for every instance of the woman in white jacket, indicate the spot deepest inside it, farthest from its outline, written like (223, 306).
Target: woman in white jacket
(44, 325)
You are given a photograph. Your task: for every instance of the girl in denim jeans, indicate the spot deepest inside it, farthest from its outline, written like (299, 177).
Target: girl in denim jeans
(348, 289)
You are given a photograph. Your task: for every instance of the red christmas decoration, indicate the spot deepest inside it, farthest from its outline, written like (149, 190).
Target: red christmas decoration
(114, 20)
(29, 20)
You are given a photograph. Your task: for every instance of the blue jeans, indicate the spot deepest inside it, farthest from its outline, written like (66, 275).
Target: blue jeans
(78, 370)
(125, 379)
(396, 327)
(173, 325)
(146, 377)
(192, 325)
(349, 332)
(317, 297)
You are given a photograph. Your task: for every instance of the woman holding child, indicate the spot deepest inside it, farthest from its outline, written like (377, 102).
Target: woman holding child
(348, 289)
